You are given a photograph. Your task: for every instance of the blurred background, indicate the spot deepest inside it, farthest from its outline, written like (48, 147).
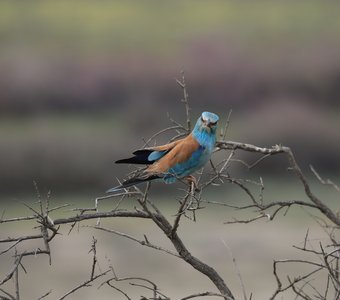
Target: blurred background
(82, 83)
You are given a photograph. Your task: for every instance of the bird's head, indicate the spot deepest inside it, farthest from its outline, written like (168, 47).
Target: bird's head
(207, 122)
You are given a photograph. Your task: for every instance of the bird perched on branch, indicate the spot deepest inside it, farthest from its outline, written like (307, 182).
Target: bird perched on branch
(176, 160)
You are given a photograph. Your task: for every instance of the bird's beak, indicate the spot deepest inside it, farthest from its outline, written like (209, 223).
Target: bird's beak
(207, 126)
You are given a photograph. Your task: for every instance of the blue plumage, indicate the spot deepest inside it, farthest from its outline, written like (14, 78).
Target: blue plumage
(180, 170)
(205, 134)
(178, 159)
(156, 155)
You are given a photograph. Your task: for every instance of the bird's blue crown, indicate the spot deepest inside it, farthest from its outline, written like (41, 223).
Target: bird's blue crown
(210, 117)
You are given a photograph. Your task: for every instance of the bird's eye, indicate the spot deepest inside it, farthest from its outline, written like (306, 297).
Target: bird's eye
(203, 120)
(213, 123)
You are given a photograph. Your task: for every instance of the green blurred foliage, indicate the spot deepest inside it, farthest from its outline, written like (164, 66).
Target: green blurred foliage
(158, 26)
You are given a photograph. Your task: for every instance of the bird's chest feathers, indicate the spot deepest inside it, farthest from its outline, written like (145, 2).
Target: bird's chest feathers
(206, 146)
(201, 156)
(206, 141)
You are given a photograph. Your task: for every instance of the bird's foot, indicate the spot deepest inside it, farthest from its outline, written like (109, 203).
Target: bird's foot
(192, 182)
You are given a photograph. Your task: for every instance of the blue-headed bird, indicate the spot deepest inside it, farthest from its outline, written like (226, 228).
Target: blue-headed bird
(176, 160)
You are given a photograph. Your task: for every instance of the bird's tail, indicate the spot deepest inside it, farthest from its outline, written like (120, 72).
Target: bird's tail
(131, 182)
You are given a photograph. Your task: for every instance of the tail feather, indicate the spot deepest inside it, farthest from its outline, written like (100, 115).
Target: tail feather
(131, 182)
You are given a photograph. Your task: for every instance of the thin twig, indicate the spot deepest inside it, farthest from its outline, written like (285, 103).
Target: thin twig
(180, 213)
(223, 134)
(45, 295)
(84, 284)
(94, 258)
(206, 294)
(237, 270)
(13, 270)
(16, 284)
(7, 294)
(117, 289)
(175, 127)
(141, 242)
(185, 99)
(324, 181)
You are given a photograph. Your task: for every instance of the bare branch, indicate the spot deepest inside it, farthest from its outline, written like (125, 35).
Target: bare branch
(28, 218)
(22, 238)
(153, 287)
(141, 242)
(181, 210)
(46, 242)
(84, 284)
(292, 283)
(185, 99)
(13, 270)
(45, 295)
(16, 284)
(320, 205)
(117, 289)
(7, 294)
(175, 127)
(324, 181)
(237, 270)
(223, 133)
(166, 227)
(94, 259)
(110, 214)
(229, 145)
(237, 221)
(205, 294)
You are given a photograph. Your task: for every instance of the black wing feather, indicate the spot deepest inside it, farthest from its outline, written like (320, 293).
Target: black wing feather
(140, 157)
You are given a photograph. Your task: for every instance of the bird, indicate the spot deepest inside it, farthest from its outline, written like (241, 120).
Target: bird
(176, 160)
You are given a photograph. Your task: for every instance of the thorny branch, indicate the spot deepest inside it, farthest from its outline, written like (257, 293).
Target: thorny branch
(84, 284)
(328, 256)
(144, 242)
(156, 294)
(185, 99)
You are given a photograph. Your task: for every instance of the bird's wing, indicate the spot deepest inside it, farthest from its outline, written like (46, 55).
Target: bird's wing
(180, 153)
(148, 156)
(166, 146)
